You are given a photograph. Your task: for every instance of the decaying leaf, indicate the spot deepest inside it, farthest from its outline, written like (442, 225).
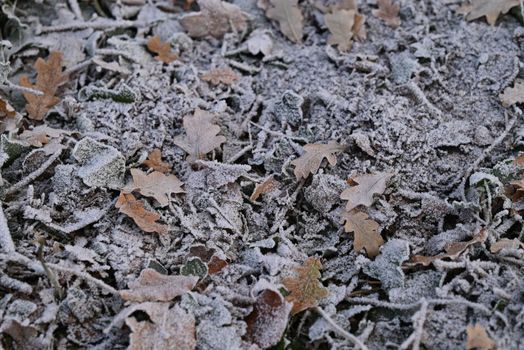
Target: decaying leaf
(265, 186)
(163, 50)
(489, 8)
(362, 194)
(216, 264)
(155, 185)
(201, 135)
(506, 243)
(155, 162)
(48, 80)
(223, 75)
(289, 17)
(305, 289)
(478, 338)
(512, 95)
(154, 286)
(310, 161)
(9, 118)
(365, 232)
(340, 24)
(215, 18)
(143, 218)
(388, 12)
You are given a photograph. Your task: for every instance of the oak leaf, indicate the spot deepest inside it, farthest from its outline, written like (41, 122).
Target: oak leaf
(201, 135)
(289, 17)
(478, 338)
(489, 8)
(310, 161)
(340, 24)
(155, 185)
(155, 162)
(265, 186)
(305, 289)
(163, 50)
(217, 76)
(388, 12)
(154, 286)
(365, 232)
(512, 95)
(143, 218)
(367, 186)
(48, 80)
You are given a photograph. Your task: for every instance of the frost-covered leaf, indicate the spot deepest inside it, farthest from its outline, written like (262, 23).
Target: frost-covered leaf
(512, 95)
(201, 135)
(388, 12)
(40, 136)
(9, 118)
(367, 186)
(492, 9)
(365, 232)
(155, 162)
(143, 218)
(223, 75)
(340, 24)
(310, 161)
(194, 267)
(260, 42)
(305, 288)
(289, 17)
(265, 186)
(155, 185)
(154, 286)
(387, 266)
(163, 50)
(478, 338)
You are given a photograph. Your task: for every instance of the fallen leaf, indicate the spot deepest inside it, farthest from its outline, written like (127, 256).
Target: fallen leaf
(48, 80)
(146, 220)
(365, 232)
(519, 160)
(310, 161)
(512, 95)
(506, 243)
(9, 118)
(217, 76)
(40, 135)
(478, 338)
(305, 289)
(489, 8)
(163, 50)
(265, 186)
(215, 18)
(216, 264)
(362, 194)
(358, 29)
(155, 185)
(154, 286)
(155, 162)
(289, 17)
(260, 42)
(340, 24)
(388, 12)
(201, 135)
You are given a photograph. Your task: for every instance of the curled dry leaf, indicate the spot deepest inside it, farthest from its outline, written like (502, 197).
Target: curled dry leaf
(340, 24)
(9, 118)
(512, 95)
(48, 80)
(155, 162)
(310, 161)
(201, 135)
(365, 232)
(367, 186)
(388, 12)
(155, 185)
(506, 243)
(143, 218)
(489, 8)
(163, 50)
(154, 286)
(478, 338)
(266, 186)
(305, 288)
(289, 17)
(223, 75)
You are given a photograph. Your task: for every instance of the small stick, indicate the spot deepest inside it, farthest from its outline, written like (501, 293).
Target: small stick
(20, 88)
(98, 25)
(339, 329)
(418, 321)
(239, 154)
(6, 241)
(73, 4)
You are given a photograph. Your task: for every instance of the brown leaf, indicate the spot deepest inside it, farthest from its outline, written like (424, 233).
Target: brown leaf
(217, 76)
(215, 18)
(289, 17)
(48, 80)
(388, 12)
(362, 194)
(365, 232)
(163, 50)
(154, 286)
(310, 161)
(201, 135)
(155, 185)
(340, 24)
(489, 8)
(478, 339)
(155, 162)
(512, 95)
(305, 289)
(215, 265)
(506, 243)
(146, 220)
(9, 118)
(266, 186)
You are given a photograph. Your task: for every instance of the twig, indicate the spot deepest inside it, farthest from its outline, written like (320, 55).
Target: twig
(418, 321)
(113, 52)
(244, 67)
(6, 241)
(14, 284)
(278, 133)
(20, 88)
(73, 4)
(101, 24)
(85, 276)
(239, 154)
(339, 329)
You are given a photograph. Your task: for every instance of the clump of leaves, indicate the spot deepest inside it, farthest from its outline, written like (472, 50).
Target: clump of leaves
(162, 49)
(310, 161)
(489, 8)
(49, 78)
(478, 338)
(143, 218)
(289, 17)
(366, 235)
(305, 288)
(366, 186)
(388, 12)
(224, 75)
(155, 185)
(155, 162)
(512, 95)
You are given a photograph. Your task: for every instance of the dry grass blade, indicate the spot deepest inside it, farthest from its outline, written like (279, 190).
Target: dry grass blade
(163, 50)
(289, 17)
(365, 232)
(310, 161)
(143, 218)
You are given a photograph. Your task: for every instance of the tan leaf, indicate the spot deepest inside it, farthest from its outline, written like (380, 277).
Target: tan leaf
(365, 232)
(215, 18)
(489, 8)
(163, 50)
(310, 161)
(146, 220)
(40, 135)
(362, 194)
(512, 95)
(340, 24)
(223, 75)
(201, 135)
(9, 118)
(506, 243)
(478, 338)
(48, 80)
(154, 286)
(266, 186)
(155, 162)
(519, 160)
(155, 185)
(166, 328)
(289, 17)
(388, 12)
(305, 289)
